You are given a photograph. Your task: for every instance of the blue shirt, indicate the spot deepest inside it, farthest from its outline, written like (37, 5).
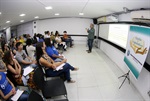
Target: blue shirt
(5, 86)
(51, 51)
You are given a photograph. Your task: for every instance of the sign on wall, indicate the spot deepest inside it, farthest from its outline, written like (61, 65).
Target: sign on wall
(137, 48)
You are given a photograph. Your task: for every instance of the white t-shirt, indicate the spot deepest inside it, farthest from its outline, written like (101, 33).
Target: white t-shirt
(31, 51)
(58, 39)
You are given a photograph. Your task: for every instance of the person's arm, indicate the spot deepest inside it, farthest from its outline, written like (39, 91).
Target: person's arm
(50, 65)
(13, 87)
(18, 65)
(51, 54)
(56, 56)
(12, 92)
(5, 97)
(14, 70)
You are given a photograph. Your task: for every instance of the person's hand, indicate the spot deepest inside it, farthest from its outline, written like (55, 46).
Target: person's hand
(13, 91)
(61, 57)
(53, 66)
(34, 62)
(65, 60)
(15, 61)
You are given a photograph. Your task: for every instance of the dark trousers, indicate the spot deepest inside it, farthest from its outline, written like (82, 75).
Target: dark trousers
(90, 44)
(66, 71)
(69, 40)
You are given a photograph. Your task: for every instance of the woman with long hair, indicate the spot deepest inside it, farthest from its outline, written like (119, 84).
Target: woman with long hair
(14, 71)
(50, 66)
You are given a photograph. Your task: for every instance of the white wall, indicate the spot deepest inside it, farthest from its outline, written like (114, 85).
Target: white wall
(143, 82)
(73, 26)
(26, 28)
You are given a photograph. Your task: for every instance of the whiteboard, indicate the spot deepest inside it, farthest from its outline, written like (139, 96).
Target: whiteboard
(74, 26)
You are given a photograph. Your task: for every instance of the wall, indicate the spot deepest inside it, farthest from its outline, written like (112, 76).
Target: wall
(26, 28)
(74, 26)
(143, 82)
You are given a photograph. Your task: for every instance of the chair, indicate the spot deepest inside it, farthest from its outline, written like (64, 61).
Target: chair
(35, 96)
(50, 88)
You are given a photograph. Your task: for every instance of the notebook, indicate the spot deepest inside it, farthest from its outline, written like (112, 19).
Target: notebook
(17, 95)
(27, 70)
(59, 67)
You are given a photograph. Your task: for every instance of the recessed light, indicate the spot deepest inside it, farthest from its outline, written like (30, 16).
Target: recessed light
(81, 13)
(48, 8)
(22, 14)
(21, 20)
(0, 13)
(36, 17)
(57, 14)
(7, 21)
(4, 28)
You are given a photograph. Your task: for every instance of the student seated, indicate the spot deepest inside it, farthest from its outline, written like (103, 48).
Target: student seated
(13, 47)
(5, 48)
(30, 49)
(7, 89)
(50, 66)
(67, 39)
(52, 51)
(59, 41)
(2, 64)
(22, 57)
(14, 71)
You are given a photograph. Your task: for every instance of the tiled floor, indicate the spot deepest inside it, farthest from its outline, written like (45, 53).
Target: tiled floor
(97, 78)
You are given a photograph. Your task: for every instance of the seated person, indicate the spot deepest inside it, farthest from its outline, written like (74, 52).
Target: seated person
(59, 41)
(22, 57)
(13, 47)
(5, 47)
(67, 39)
(50, 66)
(30, 49)
(52, 51)
(2, 64)
(52, 37)
(7, 89)
(14, 70)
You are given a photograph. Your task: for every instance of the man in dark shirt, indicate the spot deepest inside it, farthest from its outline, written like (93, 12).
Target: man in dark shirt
(91, 33)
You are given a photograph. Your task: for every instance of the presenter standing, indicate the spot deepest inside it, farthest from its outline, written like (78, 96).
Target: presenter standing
(91, 33)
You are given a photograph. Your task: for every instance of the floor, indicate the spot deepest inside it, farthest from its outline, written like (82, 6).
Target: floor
(97, 78)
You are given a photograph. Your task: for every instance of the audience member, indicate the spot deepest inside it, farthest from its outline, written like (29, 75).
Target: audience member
(7, 89)
(22, 57)
(67, 39)
(2, 64)
(50, 66)
(30, 49)
(59, 41)
(52, 51)
(5, 47)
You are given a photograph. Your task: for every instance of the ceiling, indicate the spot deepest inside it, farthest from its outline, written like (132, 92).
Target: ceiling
(11, 9)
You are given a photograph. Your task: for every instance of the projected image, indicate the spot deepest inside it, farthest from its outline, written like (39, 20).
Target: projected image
(118, 34)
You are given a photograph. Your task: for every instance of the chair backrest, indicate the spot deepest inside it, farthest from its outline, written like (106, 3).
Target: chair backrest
(35, 96)
(38, 77)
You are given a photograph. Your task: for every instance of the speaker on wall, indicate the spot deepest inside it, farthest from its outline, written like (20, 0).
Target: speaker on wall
(95, 21)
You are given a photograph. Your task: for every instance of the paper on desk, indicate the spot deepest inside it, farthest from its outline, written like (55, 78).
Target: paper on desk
(17, 95)
(60, 67)
(62, 55)
(27, 70)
